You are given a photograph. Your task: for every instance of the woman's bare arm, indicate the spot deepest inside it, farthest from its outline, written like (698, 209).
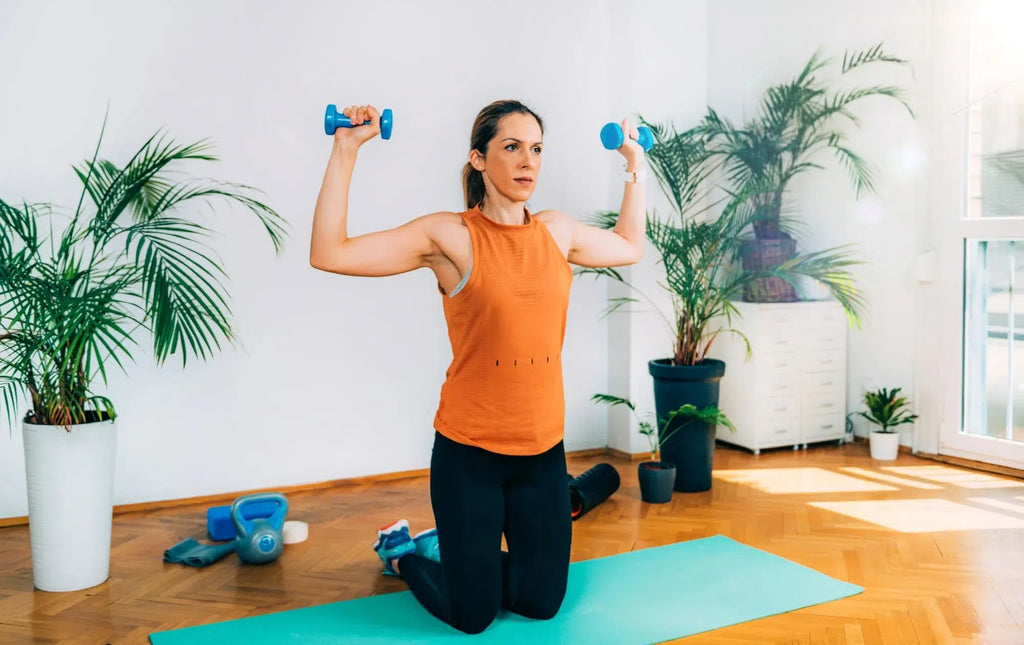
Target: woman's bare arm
(382, 253)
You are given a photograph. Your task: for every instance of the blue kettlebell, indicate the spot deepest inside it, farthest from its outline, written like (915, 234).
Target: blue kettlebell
(259, 540)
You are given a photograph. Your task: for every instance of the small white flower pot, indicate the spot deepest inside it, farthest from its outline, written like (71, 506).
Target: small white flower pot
(70, 477)
(884, 445)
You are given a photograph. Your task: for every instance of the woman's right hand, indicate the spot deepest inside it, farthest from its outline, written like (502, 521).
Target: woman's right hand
(352, 138)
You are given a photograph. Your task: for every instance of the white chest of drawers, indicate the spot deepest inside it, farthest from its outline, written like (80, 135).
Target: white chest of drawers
(793, 389)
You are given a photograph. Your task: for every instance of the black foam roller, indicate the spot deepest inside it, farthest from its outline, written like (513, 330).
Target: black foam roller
(591, 488)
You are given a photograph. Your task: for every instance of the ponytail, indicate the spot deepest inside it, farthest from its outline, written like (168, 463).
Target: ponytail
(473, 186)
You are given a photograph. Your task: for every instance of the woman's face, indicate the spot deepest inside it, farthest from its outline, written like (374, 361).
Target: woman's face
(513, 157)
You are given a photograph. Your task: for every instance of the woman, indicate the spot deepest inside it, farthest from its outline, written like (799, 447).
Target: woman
(498, 463)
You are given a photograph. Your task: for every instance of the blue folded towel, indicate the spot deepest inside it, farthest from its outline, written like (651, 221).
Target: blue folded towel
(191, 552)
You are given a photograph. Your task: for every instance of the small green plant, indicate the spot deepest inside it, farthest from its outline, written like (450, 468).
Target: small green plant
(886, 409)
(710, 414)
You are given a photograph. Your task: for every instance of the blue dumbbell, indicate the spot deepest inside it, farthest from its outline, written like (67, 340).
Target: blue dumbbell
(334, 120)
(612, 137)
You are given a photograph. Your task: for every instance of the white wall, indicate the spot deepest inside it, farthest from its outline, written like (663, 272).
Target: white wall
(332, 377)
(668, 83)
(752, 45)
(338, 377)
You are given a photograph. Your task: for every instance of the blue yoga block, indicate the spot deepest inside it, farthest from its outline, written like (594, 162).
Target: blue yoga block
(218, 518)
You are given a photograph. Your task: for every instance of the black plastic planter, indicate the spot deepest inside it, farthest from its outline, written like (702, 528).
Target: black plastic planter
(692, 449)
(656, 480)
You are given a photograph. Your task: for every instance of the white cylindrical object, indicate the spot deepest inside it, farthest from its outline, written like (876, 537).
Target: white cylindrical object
(885, 446)
(293, 532)
(70, 477)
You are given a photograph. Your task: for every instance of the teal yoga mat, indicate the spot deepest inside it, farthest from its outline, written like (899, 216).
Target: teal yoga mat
(645, 596)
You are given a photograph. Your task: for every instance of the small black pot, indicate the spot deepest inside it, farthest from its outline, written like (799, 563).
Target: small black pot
(656, 481)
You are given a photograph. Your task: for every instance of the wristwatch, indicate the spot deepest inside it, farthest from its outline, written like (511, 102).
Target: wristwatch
(634, 177)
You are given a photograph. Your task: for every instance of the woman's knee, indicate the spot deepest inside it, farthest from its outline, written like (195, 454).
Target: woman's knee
(543, 604)
(473, 618)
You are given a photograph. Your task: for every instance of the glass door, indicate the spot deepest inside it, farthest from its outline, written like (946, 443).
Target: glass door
(984, 242)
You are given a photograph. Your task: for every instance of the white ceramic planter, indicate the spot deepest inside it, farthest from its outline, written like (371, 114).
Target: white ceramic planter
(884, 445)
(70, 476)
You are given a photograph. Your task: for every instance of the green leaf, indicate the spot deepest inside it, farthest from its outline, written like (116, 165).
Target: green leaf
(613, 400)
(887, 409)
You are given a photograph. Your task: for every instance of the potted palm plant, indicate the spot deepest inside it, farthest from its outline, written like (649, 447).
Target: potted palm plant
(699, 254)
(888, 410)
(657, 477)
(796, 124)
(75, 291)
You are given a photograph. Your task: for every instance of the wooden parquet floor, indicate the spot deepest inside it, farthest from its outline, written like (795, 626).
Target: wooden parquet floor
(938, 549)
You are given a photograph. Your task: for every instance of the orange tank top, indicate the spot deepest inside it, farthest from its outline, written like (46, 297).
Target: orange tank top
(503, 391)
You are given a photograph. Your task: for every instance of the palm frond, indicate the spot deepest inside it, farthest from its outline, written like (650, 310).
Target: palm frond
(613, 400)
(603, 219)
(841, 101)
(12, 396)
(608, 272)
(874, 54)
(829, 268)
(816, 63)
(114, 194)
(185, 303)
(21, 222)
(681, 164)
(858, 169)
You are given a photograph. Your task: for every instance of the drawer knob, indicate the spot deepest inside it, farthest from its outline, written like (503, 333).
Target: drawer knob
(827, 405)
(827, 426)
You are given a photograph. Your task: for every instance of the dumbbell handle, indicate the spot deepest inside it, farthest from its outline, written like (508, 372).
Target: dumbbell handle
(612, 137)
(333, 119)
(245, 526)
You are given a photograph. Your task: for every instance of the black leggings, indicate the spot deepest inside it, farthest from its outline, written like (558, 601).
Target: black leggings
(477, 495)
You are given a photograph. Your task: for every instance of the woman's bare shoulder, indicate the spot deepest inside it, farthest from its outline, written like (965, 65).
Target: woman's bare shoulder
(561, 226)
(551, 216)
(446, 229)
(556, 220)
(441, 218)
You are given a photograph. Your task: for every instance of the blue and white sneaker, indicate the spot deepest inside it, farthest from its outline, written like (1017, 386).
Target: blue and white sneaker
(427, 545)
(393, 542)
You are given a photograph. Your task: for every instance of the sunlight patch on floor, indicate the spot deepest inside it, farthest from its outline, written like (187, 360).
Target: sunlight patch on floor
(923, 515)
(954, 477)
(1001, 504)
(793, 481)
(892, 479)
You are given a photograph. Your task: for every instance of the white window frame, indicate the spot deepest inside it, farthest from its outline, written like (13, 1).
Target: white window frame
(940, 351)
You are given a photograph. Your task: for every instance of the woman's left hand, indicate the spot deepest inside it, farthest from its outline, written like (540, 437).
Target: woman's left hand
(630, 149)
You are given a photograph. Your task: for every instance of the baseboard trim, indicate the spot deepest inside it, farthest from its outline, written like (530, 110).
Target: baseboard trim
(226, 498)
(621, 454)
(973, 465)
